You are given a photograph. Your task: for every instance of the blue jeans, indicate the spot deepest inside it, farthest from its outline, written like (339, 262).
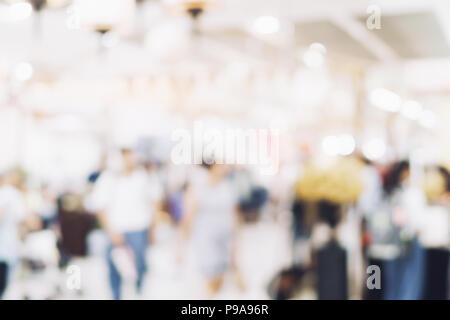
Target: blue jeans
(404, 276)
(138, 242)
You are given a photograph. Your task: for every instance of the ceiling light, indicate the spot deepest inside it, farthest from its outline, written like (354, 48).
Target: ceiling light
(318, 47)
(427, 119)
(374, 149)
(411, 109)
(19, 11)
(330, 145)
(343, 144)
(266, 25)
(105, 13)
(314, 57)
(346, 144)
(385, 100)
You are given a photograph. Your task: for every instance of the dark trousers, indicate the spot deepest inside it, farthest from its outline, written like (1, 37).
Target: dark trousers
(3, 277)
(437, 274)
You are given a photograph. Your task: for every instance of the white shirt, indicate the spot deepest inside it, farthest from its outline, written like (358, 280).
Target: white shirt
(128, 200)
(413, 200)
(12, 212)
(435, 228)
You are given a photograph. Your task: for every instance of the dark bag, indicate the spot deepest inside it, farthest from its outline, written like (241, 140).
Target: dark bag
(285, 283)
(332, 272)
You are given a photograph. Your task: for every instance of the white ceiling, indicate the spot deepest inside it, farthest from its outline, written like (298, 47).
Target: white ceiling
(413, 29)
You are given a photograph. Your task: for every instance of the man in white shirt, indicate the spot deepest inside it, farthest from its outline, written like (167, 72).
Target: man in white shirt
(127, 201)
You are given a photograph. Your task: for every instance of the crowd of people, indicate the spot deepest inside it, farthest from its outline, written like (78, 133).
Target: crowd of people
(394, 224)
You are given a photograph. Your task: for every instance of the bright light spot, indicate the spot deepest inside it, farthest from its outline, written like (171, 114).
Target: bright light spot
(19, 11)
(385, 100)
(338, 145)
(411, 109)
(266, 25)
(374, 149)
(318, 47)
(23, 71)
(168, 38)
(427, 119)
(330, 145)
(118, 13)
(314, 57)
(346, 144)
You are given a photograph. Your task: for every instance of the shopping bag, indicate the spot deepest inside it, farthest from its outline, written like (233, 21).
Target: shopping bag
(123, 260)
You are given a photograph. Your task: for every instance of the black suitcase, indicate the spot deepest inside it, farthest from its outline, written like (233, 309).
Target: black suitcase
(332, 272)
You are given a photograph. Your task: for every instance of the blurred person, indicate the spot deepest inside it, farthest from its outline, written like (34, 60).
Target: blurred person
(372, 188)
(74, 225)
(92, 178)
(175, 183)
(43, 202)
(212, 219)
(282, 188)
(446, 202)
(367, 204)
(395, 229)
(300, 224)
(12, 220)
(95, 175)
(127, 200)
(446, 176)
(300, 232)
(252, 194)
(435, 235)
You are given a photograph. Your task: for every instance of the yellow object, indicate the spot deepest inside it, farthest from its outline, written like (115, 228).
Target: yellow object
(339, 182)
(433, 184)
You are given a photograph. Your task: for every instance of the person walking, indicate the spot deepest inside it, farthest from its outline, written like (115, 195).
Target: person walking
(127, 201)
